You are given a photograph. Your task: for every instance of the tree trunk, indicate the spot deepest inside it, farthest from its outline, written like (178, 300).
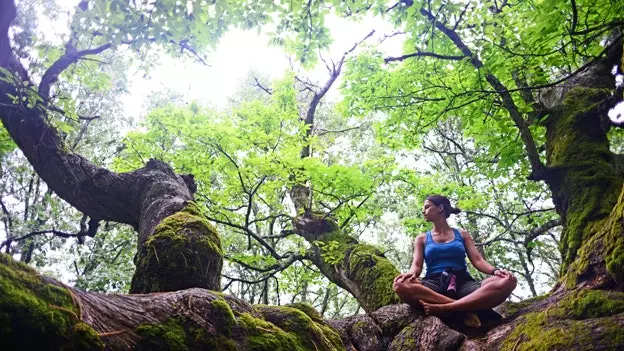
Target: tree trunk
(42, 314)
(154, 200)
(583, 176)
(358, 268)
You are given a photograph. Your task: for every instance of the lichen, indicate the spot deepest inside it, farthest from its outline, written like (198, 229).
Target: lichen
(184, 252)
(578, 156)
(405, 340)
(35, 314)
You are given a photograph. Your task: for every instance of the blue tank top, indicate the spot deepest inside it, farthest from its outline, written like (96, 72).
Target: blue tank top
(440, 256)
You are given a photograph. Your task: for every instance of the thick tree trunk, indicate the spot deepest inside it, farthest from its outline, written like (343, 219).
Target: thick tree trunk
(40, 314)
(583, 178)
(156, 201)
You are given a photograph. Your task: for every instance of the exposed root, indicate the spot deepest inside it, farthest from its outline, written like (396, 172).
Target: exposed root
(72, 313)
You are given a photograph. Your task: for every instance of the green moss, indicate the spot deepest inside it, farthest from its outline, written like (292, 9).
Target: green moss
(264, 336)
(222, 316)
(578, 155)
(374, 275)
(405, 340)
(607, 244)
(86, 338)
(513, 307)
(564, 326)
(167, 336)
(308, 309)
(592, 304)
(35, 315)
(184, 252)
(181, 335)
(309, 334)
(363, 264)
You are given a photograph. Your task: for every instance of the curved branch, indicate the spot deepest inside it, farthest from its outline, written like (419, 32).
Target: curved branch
(70, 57)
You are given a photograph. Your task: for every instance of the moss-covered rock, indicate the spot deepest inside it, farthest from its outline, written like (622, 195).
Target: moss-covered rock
(184, 252)
(36, 315)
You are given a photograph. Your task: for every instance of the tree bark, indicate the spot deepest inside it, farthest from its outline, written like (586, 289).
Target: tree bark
(358, 268)
(583, 175)
(144, 198)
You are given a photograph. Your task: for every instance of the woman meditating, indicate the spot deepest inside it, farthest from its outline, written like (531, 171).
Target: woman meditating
(447, 286)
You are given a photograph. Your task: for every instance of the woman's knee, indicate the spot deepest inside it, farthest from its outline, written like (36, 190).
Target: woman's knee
(506, 283)
(509, 283)
(407, 287)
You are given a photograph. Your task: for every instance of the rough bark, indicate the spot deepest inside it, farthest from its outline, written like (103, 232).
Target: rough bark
(144, 198)
(583, 174)
(360, 269)
(190, 319)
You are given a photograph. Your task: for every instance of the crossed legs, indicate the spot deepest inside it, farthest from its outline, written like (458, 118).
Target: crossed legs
(493, 291)
(415, 294)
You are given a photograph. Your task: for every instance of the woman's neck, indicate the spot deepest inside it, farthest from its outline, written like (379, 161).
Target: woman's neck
(441, 226)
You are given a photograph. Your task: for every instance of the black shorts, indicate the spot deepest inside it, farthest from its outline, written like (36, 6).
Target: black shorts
(466, 287)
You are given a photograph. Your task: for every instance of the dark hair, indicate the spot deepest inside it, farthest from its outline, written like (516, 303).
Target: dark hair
(446, 204)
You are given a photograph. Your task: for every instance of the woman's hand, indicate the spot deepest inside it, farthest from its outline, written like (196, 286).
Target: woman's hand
(501, 273)
(409, 276)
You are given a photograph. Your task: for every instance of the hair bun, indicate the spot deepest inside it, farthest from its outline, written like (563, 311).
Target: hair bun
(455, 210)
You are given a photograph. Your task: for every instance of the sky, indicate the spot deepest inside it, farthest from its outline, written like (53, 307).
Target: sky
(240, 52)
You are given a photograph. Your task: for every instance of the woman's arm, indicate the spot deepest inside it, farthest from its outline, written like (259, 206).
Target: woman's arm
(473, 254)
(419, 254)
(417, 261)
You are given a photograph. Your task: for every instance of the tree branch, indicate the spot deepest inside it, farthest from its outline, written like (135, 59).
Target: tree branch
(535, 232)
(423, 54)
(71, 56)
(538, 169)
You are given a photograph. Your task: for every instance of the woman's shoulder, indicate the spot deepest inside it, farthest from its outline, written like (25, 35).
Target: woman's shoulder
(464, 233)
(421, 238)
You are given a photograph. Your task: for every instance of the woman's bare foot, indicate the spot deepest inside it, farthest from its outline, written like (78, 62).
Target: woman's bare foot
(472, 320)
(434, 309)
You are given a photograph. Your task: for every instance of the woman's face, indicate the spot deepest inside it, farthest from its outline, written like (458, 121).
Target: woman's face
(431, 211)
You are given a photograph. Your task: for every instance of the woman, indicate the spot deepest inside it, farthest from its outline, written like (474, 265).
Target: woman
(447, 286)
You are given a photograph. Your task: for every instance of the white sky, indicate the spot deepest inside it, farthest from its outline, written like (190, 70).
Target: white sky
(240, 52)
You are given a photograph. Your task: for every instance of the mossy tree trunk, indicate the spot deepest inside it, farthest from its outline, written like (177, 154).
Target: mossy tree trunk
(144, 199)
(360, 269)
(37, 313)
(583, 175)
